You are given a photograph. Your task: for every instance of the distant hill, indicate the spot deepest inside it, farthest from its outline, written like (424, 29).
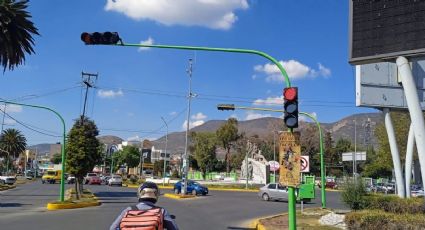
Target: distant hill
(262, 127)
(110, 140)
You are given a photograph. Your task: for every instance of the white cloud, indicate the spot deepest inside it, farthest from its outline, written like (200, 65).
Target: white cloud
(10, 108)
(173, 113)
(294, 69)
(135, 138)
(215, 14)
(196, 120)
(199, 116)
(234, 116)
(278, 101)
(192, 124)
(150, 41)
(109, 93)
(252, 115)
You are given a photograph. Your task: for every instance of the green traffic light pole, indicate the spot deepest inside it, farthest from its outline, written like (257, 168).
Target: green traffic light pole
(62, 187)
(322, 163)
(291, 190)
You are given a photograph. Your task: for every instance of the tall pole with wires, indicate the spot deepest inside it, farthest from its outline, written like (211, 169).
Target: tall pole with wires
(166, 146)
(186, 155)
(87, 80)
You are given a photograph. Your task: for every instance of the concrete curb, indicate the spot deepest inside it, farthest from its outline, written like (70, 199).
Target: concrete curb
(58, 206)
(7, 188)
(73, 205)
(178, 196)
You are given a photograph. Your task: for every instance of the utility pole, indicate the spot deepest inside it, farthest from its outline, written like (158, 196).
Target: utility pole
(166, 146)
(87, 80)
(355, 150)
(186, 155)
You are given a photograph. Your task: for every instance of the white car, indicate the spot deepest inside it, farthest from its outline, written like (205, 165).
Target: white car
(10, 180)
(115, 180)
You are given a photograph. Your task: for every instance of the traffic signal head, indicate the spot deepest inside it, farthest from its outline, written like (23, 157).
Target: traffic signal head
(96, 38)
(290, 97)
(226, 107)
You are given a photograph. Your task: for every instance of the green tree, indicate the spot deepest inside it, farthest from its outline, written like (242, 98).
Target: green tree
(56, 158)
(129, 156)
(83, 150)
(158, 168)
(204, 146)
(227, 134)
(379, 163)
(12, 141)
(310, 146)
(16, 36)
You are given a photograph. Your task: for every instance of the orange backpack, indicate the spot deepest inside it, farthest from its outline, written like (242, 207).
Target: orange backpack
(135, 219)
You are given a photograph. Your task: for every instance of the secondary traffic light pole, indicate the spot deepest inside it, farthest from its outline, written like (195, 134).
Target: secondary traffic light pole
(322, 162)
(62, 187)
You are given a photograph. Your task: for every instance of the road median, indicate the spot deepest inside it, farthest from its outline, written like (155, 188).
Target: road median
(87, 199)
(215, 188)
(6, 187)
(179, 196)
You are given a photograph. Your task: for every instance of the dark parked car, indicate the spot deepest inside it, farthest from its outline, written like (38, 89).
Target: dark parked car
(193, 187)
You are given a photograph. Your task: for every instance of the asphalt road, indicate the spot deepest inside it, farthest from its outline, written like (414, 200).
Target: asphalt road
(24, 208)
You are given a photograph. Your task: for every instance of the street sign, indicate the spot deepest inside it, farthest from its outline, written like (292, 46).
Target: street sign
(360, 156)
(274, 166)
(305, 164)
(289, 158)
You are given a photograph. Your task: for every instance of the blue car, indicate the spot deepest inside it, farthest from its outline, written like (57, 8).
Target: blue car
(193, 188)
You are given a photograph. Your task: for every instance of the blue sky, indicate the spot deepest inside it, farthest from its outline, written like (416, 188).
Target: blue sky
(137, 86)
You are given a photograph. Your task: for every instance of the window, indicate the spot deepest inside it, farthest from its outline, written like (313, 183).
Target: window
(272, 186)
(281, 187)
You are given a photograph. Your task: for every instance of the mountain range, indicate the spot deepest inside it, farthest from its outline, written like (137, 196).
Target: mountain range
(363, 124)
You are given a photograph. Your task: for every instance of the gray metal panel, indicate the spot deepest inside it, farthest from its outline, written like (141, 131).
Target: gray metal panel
(377, 85)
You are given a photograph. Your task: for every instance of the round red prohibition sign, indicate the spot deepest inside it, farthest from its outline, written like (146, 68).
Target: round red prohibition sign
(304, 164)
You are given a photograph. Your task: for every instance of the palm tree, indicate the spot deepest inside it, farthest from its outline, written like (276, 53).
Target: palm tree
(16, 32)
(13, 141)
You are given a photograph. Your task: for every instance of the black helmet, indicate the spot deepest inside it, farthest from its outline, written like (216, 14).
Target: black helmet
(148, 191)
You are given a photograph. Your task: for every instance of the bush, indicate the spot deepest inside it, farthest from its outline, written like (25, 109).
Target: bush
(133, 179)
(377, 219)
(353, 194)
(175, 174)
(394, 204)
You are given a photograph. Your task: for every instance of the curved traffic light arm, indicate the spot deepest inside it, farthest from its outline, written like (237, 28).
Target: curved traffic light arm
(229, 50)
(113, 38)
(62, 186)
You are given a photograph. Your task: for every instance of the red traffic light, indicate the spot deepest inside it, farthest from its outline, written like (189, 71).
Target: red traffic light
(96, 38)
(290, 93)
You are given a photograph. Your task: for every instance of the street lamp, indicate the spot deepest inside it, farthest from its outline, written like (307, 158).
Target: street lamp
(112, 150)
(166, 146)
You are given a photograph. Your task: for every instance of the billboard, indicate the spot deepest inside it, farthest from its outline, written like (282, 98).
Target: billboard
(384, 29)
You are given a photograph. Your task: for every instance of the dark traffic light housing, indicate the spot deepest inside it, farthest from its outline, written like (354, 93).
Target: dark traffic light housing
(290, 105)
(226, 107)
(96, 38)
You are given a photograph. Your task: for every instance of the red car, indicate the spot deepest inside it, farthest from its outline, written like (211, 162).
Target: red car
(94, 180)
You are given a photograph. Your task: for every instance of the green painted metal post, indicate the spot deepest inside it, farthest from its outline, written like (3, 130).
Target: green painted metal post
(62, 186)
(322, 161)
(292, 211)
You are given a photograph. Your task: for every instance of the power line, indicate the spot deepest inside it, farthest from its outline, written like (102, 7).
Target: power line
(29, 126)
